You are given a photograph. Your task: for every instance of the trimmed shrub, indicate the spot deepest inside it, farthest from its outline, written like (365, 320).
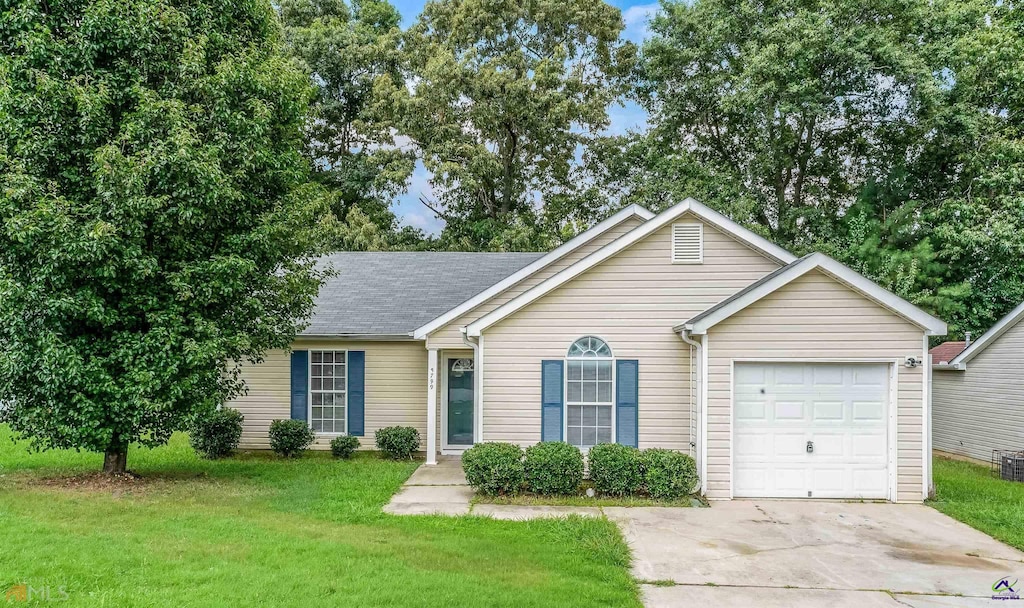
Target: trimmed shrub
(343, 446)
(668, 474)
(290, 438)
(217, 433)
(494, 468)
(615, 469)
(398, 442)
(553, 467)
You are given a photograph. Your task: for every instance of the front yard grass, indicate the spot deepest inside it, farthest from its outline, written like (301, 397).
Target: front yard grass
(970, 493)
(256, 530)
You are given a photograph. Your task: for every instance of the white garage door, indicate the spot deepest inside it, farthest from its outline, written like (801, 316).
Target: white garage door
(811, 430)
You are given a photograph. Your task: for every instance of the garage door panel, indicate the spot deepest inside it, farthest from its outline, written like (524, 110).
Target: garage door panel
(752, 478)
(832, 480)
(790, 481)
(828, 410)
(830, 445)
(827, 376)
(869, 447)
(788, 444)
(789, 410)
(785, 377)
(751, 444)
(841, 408)
(868, 411)
(751, 410)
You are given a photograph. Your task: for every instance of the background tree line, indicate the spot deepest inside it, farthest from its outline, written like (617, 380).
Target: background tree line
(886, 133)
(170, 170)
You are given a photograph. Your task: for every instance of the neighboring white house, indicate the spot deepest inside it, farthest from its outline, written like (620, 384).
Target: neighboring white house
(783, 377)
(978, 391)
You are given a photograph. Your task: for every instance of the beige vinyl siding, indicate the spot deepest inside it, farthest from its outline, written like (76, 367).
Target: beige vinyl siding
(816, 317)
(981, 409)
(632, 300)
(396, 389)
(450, 335)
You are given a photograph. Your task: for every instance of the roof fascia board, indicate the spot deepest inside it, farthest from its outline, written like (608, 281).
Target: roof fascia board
(701, 211)
(990, 336)
(851, 278)
(556, 254)
(774, 284)
(360, 337)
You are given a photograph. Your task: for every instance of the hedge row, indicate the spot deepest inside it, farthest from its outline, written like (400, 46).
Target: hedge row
(556, 468)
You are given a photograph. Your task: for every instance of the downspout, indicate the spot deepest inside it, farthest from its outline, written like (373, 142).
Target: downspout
(699, 450)
(478, 394)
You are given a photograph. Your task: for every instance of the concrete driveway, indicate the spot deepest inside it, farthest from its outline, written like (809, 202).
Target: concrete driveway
(792, 553)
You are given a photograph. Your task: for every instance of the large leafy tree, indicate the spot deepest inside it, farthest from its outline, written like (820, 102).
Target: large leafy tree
(970, 168)
(502, 96)
(153, 227)
(787, 105)
(347, 47)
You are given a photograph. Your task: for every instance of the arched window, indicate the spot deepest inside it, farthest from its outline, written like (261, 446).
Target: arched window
(589, 392)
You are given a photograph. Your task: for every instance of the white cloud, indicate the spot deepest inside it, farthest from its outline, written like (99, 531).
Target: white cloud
(638, 19)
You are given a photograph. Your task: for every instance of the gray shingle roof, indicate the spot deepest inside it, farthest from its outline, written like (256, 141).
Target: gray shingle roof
(389, 293)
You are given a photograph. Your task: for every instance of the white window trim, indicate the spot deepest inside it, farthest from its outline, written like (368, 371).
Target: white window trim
(309, 391)
(700, 243)
(565, 388)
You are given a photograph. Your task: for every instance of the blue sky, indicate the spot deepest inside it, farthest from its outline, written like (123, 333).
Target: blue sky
(635, 13)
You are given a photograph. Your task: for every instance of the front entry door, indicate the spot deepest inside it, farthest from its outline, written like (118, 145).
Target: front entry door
(460, 402)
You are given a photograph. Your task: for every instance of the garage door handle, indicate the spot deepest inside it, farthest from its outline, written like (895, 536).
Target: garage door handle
(810, 447)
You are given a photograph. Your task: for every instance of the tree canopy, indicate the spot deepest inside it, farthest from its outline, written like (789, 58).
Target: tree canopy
(154, 219)
(501, 96)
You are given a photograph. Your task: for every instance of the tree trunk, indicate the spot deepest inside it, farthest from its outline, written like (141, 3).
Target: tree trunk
(115, 461)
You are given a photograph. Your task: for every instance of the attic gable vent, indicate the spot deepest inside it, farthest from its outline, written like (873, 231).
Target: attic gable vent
(688, 243)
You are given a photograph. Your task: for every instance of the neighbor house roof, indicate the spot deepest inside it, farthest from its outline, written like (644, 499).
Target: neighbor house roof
(944, 353)
(391, 294)
(664, 218)
(783, 276)
(990, 336)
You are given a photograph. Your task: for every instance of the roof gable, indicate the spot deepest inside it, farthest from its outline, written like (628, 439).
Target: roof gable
(558, 253)
(700, 211)
(990, 336)
(774, 281)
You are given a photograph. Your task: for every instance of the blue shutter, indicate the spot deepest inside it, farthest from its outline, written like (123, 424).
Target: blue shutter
(627, 397)
(551, 389)
(300, 384)
(356, 392)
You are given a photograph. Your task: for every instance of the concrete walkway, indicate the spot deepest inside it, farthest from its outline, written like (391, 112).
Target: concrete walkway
(772, 553)
(442, 490)
(813, 553)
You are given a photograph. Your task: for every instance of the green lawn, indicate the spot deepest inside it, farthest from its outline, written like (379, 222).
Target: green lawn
(972, 494)
(259, 531)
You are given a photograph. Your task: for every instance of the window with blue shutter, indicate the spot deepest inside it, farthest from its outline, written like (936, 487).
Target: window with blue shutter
(300, 384)
(627, 397)
(356, 392)
(551, 389)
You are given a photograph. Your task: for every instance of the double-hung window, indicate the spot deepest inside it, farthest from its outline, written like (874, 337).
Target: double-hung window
(328, 394)
(589, 393)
